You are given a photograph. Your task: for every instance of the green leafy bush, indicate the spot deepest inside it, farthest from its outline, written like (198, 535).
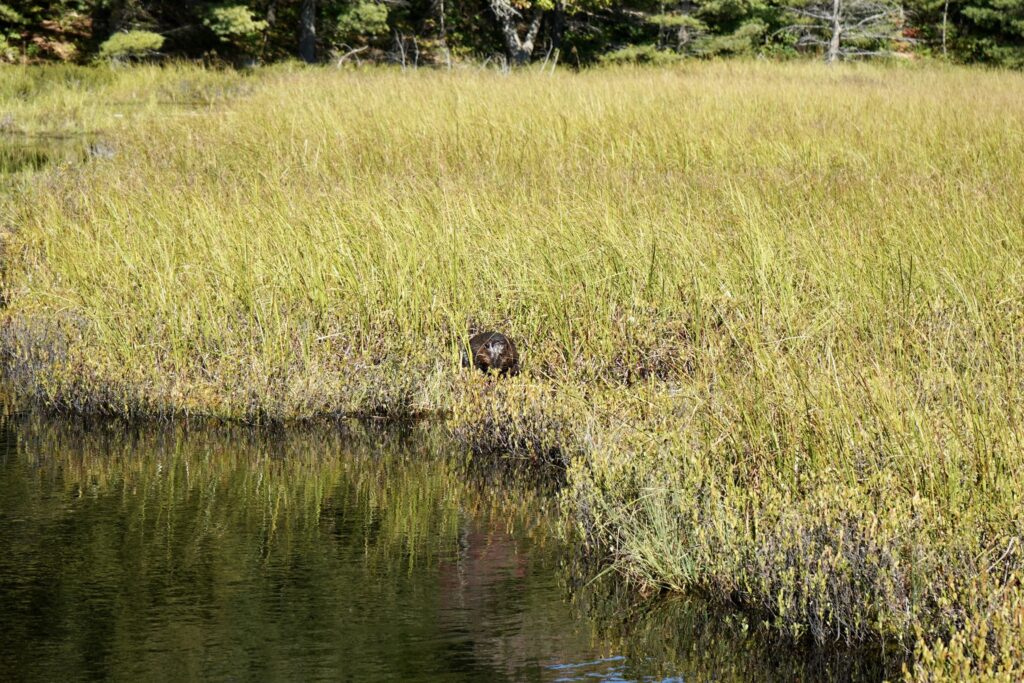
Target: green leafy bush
(9, 16)
(640, 54)
(742, 41)
(11, 19)
(234, 25)
(362, 22)
(131, 44)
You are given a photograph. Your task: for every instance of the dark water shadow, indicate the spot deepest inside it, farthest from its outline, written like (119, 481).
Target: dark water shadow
(29, 153)
(355, 551)
(690, 637)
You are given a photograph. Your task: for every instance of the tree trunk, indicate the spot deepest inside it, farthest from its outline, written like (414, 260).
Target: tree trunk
(558, 26)
(442, 30)
(520, 50)
(945, 19)
(837, 31)
(307, 31)
(271, 20)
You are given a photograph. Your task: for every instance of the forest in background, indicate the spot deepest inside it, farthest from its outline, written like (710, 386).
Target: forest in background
(509, 32)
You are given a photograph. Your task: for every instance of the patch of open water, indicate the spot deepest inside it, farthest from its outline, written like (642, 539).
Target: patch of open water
(359, 553)
(27, 153)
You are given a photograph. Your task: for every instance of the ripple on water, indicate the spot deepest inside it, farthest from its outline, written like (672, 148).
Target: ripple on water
(352, 553)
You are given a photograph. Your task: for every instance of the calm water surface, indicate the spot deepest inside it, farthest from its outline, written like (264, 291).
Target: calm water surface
(346, 554)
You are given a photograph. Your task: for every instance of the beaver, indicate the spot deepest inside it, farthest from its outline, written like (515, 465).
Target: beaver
(492, 351)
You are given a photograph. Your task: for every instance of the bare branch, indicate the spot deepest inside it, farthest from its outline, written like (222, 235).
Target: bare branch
(503, 10)
(846, 28)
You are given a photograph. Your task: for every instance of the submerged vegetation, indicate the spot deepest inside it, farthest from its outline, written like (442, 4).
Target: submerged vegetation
(768, 316)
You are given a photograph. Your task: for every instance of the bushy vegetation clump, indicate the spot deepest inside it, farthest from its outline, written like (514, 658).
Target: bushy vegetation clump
(640, 54)
(235, 25)
(362, 22)
(767, 314)
(131, 44)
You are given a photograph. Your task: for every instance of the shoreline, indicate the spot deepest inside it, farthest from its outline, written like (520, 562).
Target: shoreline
(761, 309)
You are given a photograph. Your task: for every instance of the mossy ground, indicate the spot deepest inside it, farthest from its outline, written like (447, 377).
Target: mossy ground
(770, 316)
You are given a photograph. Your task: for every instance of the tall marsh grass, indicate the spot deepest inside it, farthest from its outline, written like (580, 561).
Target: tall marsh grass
(770, 316)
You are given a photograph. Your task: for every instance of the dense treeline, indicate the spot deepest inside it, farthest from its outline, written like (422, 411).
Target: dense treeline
(422, 32)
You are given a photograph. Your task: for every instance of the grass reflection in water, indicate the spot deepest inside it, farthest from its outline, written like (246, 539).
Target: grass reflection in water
(361, 553)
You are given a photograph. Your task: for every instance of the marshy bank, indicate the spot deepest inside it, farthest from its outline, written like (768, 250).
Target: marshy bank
(768, 315)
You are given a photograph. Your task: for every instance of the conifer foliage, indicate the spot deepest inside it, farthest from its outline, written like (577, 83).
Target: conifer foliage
(509, 32)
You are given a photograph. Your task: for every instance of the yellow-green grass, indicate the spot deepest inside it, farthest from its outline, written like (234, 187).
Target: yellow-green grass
(770, 315)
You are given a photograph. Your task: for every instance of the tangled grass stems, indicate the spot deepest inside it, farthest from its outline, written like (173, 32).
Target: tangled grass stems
(769, 314)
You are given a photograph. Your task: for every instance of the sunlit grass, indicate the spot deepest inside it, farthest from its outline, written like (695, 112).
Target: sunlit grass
(770, 315)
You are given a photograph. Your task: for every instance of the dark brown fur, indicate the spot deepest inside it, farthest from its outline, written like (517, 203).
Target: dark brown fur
(492, 351)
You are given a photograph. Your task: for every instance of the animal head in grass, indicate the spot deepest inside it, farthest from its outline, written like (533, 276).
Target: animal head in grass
(492, 351)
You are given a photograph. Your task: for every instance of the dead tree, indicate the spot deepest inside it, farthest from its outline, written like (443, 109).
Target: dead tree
(844, 29)
(520, 49)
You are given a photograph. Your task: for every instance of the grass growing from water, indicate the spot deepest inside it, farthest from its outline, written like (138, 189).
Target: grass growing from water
(770, 316)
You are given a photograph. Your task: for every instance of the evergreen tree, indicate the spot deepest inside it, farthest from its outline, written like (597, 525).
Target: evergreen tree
(991, 31)
(438, 31)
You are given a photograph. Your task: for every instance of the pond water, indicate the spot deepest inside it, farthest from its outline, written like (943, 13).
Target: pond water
(24, 153)
(344, 553)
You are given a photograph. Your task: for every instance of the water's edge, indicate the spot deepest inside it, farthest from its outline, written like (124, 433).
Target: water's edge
(185, 535)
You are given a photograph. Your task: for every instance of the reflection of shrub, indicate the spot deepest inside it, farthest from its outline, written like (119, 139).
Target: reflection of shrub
(640, 54)
(234, 24)
(131, 44)
(363, 22)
